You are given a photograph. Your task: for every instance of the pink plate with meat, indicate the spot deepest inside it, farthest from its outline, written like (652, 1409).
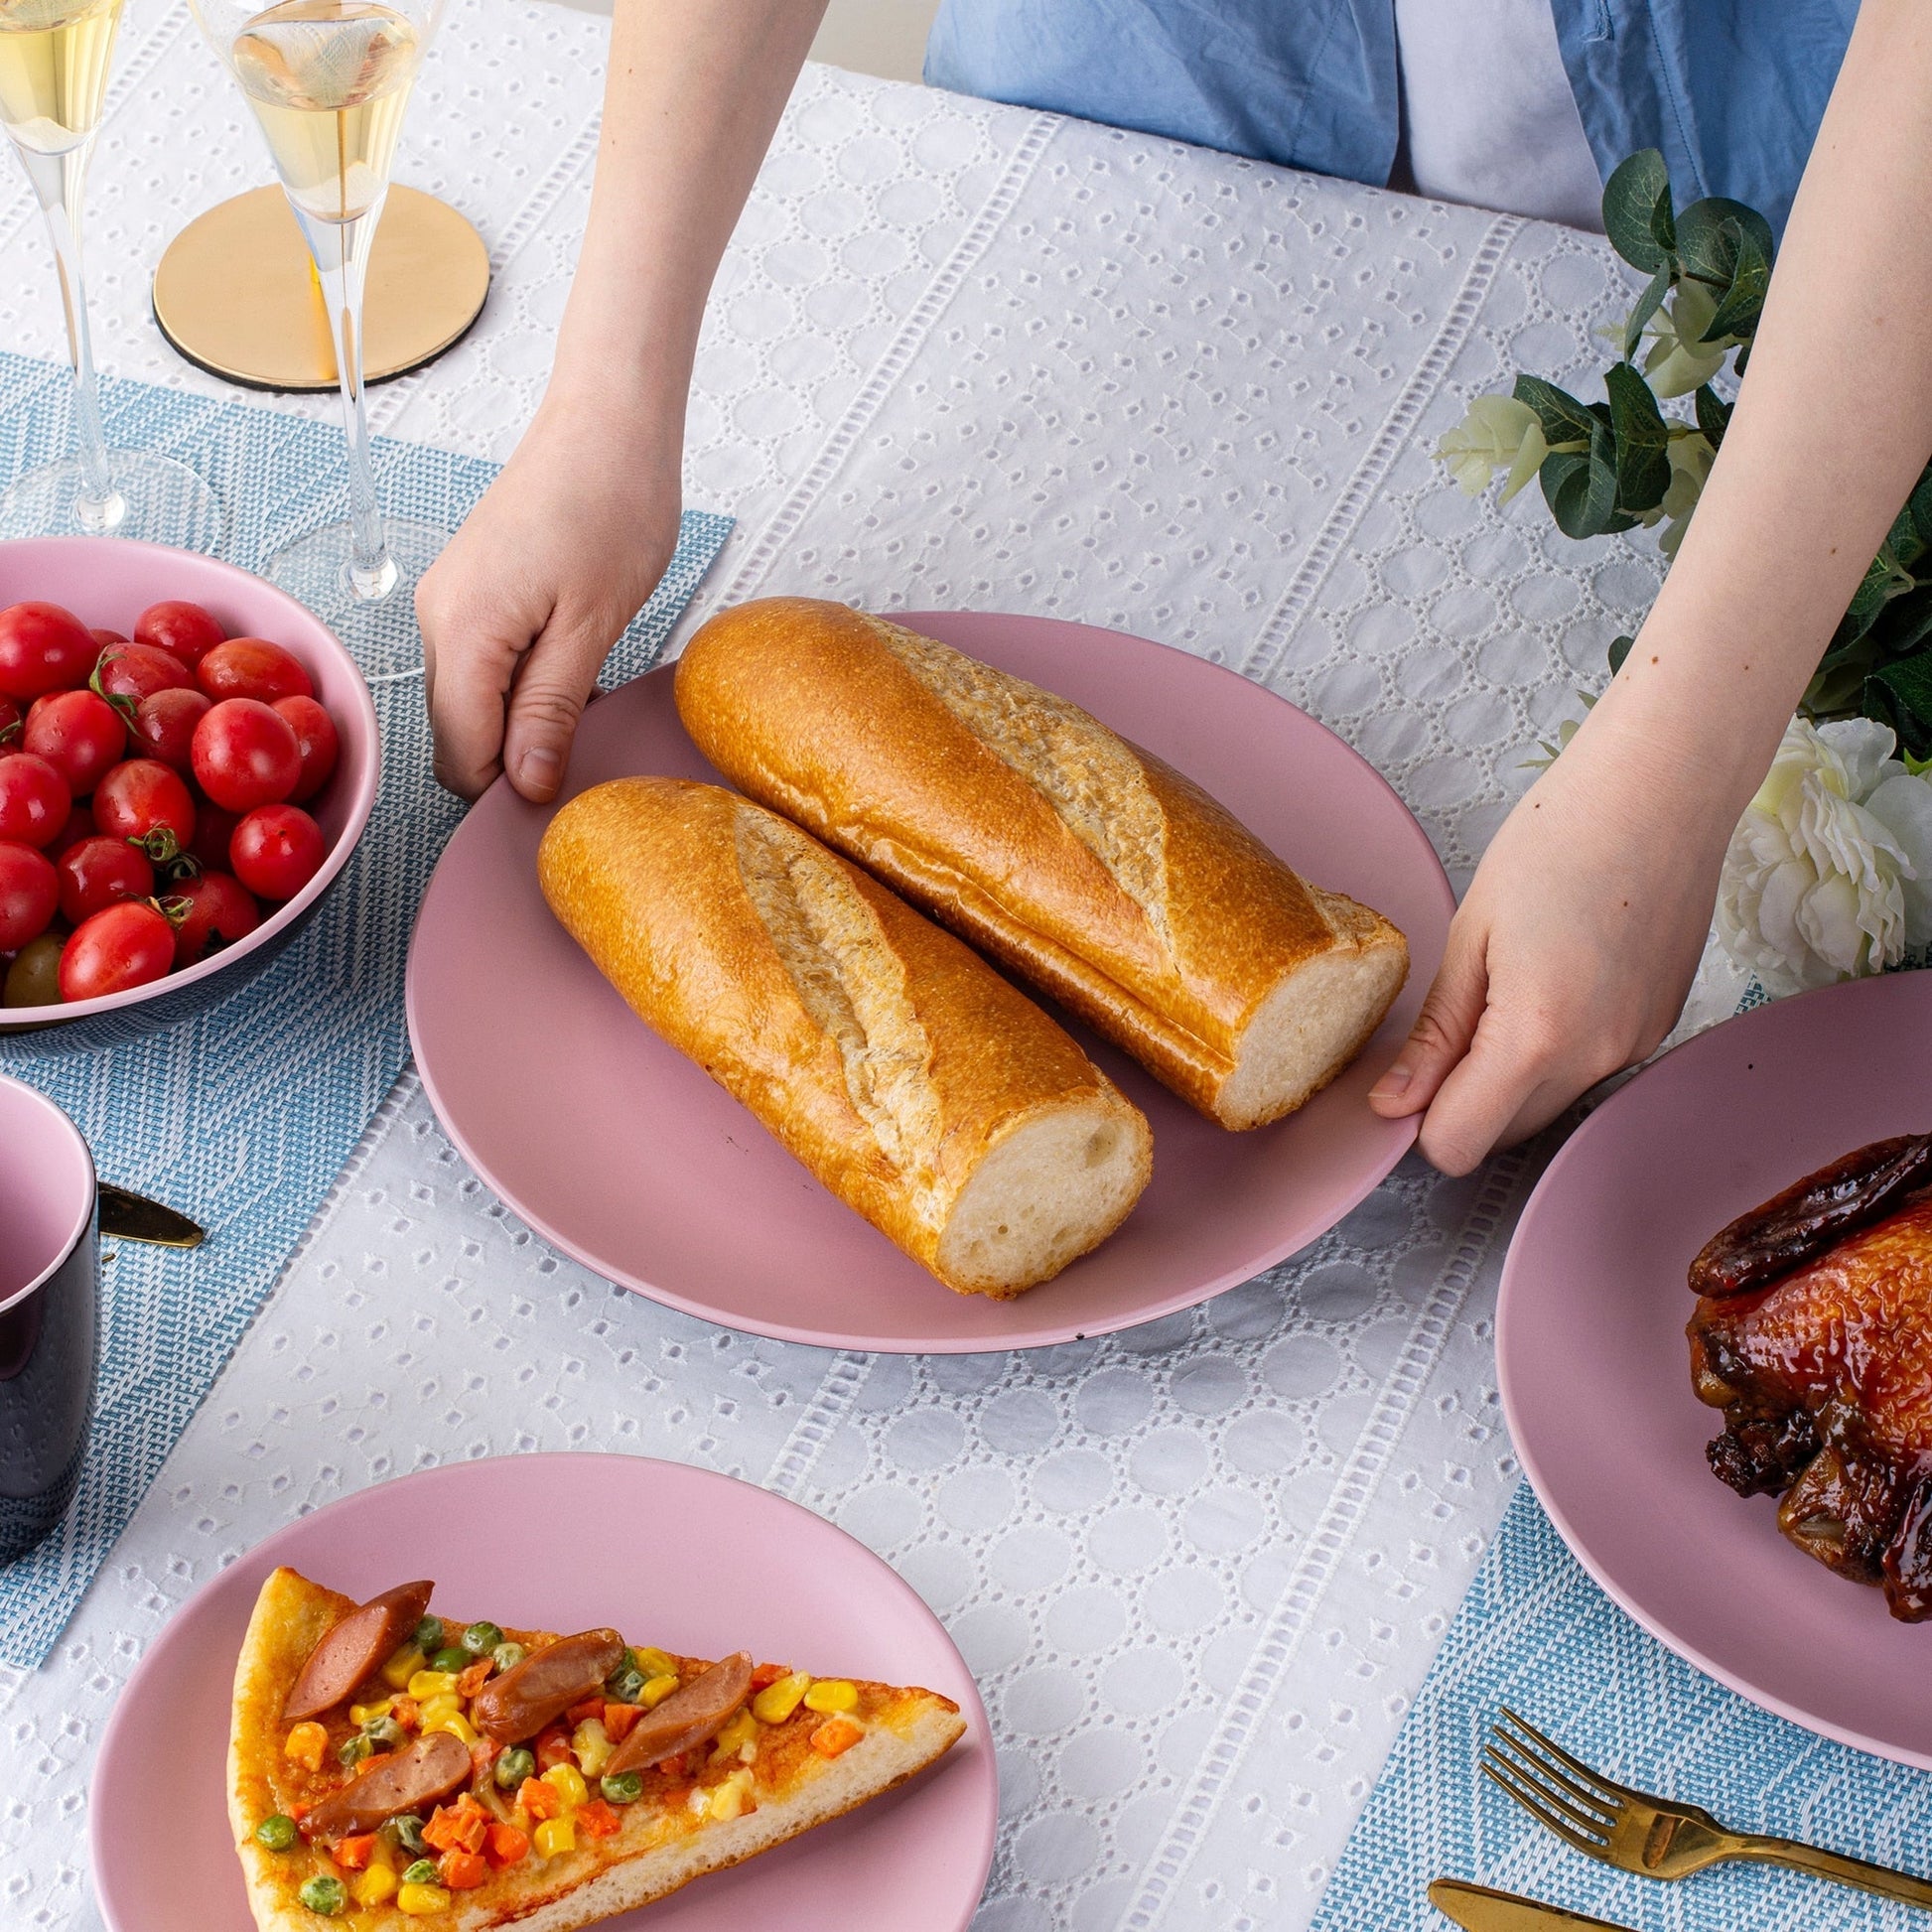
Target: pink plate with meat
(623, 1153)
(679, 1558)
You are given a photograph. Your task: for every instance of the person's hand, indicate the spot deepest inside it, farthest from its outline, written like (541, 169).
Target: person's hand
(1574, 950)
(521, 610)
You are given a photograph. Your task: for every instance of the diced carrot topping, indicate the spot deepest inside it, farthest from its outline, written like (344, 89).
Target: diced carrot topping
(508, 1844)
(463, 1870)
(483, 1754)
(590, 1707)
(835, 1736)
(553, 1748)
(299, 1812)
(597, 1818)
(353, 1853)
(470, 1681)
(540, 1800)
(618, 1720)
(459, 1827)
(677, 1765)
(407, 1712)
(768, 1674)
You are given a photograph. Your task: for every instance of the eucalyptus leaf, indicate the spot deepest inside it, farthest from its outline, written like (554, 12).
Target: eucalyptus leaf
(1640, 453)
(1713, 413)
(1564, 481)
(1619, 650)
(1712, 238)
(1743, 300)
(1633, 199)
(1918, 507)
(1899, 694)
(1905, 624)
(1564, 418)
(1648, 303)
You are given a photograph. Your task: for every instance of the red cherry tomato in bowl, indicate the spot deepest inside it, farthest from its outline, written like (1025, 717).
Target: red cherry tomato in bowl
(137, 671)
(79, 734)
(252, 668)
(81, 825)
(98, 873)
(179, 627)
(276, 850)
(220, 910)
(126, 946)
(214, 828)
(12, 719)
(317, 739)
(147, 801)
(34, 800)
(30, 894)
(105, 637)
(164, 726)
(246, 755)
(43, 648)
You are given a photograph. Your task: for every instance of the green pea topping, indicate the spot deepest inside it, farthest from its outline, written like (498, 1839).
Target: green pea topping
(408, 1828)
(277, 1834)
(514, 1767)
(384, 1733)
(449, 1658)
(428, 1634)
(627, 1683)
(326, 1897)
(352, 1750)
(506, 1656)
(623, 1789)
(480, 1638)
(422, 1872)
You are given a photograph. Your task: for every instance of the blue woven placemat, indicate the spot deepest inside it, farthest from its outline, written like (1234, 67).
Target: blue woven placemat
(243, 1116)
(1537, 1634)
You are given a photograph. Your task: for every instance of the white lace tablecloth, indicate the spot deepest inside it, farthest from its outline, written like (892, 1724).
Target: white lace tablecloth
(962, 354)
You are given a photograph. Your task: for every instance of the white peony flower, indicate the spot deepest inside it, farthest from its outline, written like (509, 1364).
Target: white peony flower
(1829, 873)
(1691, 458)
(1680, 359)
(1498, 433)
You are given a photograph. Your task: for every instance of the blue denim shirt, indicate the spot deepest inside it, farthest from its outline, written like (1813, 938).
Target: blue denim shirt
(1731, 90)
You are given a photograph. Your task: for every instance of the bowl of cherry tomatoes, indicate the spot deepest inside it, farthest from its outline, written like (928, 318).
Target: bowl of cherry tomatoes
(188, 758)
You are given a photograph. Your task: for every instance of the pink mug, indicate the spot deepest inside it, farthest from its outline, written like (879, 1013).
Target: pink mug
(48, 1290)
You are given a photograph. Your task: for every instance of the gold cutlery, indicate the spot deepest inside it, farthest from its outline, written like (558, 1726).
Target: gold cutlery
(133, 1217)
(1478, 1909)
(1654, 1837)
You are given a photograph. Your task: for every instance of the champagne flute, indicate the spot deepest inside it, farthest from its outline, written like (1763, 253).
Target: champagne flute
(53, 64)
(329, 82)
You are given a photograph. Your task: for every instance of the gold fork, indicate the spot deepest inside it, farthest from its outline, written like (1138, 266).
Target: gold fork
(1654, 1837)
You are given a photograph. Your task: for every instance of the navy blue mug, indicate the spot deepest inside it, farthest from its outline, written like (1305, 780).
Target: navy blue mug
(48, 1278)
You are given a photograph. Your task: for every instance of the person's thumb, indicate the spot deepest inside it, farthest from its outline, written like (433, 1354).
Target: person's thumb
(1443, 1029)
(552, 687)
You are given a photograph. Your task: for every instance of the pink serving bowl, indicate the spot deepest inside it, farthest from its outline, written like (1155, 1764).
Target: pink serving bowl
(107, 582)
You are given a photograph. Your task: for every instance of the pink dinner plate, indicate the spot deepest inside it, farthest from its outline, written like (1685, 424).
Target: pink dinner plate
(1595, 1369)
(621, 1151)
(680, 1558)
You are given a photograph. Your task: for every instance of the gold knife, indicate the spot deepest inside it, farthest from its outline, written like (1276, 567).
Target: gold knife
(1478, 1909)
(133, 1217)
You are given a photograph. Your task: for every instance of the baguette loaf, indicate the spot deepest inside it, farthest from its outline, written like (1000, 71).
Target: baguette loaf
(1083, 862)
(907, 1075)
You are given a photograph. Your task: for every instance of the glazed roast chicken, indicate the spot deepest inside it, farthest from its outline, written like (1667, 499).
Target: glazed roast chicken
(1813, 1333)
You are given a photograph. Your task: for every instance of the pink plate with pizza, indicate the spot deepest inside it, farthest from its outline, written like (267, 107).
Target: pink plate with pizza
(696, 1572)
(622, 1153)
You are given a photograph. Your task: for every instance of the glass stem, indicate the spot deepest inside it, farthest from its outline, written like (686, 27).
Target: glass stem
(56, 180)
(341, 258)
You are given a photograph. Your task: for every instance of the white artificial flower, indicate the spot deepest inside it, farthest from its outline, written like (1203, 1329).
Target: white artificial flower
(1498, 433)
(1691, 458)
(1829, 873)
(1680, 359)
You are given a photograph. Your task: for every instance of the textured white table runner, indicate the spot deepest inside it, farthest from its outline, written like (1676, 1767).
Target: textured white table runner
(962, 354)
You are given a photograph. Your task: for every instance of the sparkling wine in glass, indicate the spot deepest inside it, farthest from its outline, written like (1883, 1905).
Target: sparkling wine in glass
(54, 57)
(329, 82)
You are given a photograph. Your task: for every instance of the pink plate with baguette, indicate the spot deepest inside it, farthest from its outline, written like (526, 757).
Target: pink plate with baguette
(624, 1154)
(915, 1859)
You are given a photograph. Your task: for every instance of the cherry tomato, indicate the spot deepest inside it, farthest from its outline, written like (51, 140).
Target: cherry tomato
(79, 734)
(252, 668)
(34, 979)
(101, 871)
(246, 755)
(34, 800)
(129, 944)
(143, 799)
(137, 671)
(214, 828)
(220, 910)
(105, 637)
(43, 648)
(179, 627)
(11, 718)
(164, 724)
(276, 850)
(30, 894)
(317, 739)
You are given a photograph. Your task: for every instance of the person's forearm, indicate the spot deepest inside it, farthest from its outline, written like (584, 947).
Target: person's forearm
(1833, 426)
(694, 91)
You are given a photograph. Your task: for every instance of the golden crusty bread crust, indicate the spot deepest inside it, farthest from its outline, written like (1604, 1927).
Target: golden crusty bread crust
(1082, 862)
(880, 1050)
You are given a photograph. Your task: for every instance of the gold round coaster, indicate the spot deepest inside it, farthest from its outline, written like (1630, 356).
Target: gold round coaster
(236, 294)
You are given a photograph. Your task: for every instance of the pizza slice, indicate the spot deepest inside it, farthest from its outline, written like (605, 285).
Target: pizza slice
(385, 1764)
